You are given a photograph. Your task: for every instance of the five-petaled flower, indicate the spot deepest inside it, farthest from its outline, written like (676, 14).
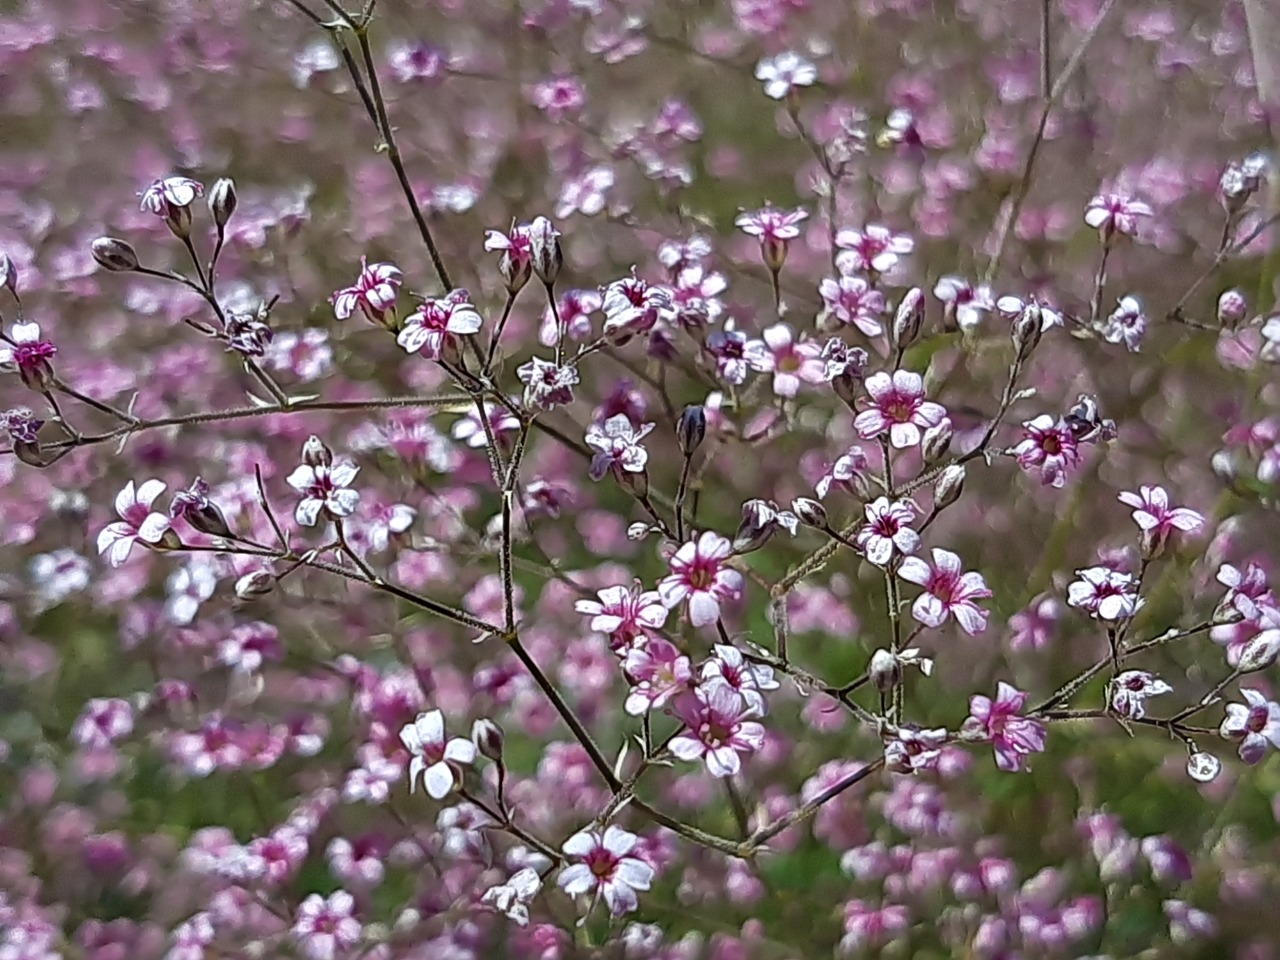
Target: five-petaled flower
(606, 868)
(719, 725)
(727, 665)
(29, 355)
(162, 197)
(617, 446)
(948, 591)
(633, 306)
(374, 292)
(700, 575)
(624, 614)
(964, 304)
(547, 384)
(1050, 447)
(1255, 724)
(898, 407)
(137, 522)
(1105, 593)
(327, 928)
(1014, 737)
(851, 300)
(434, 325)
(1114, 213)
(326, 488)
(888, 529)
(775, 229)
(781, 73)
(790, 363)
(432, 754)
(873, 249)
(1130, 689)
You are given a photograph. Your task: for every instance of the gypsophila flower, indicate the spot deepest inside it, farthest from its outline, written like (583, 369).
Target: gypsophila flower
(1048, 447)
(21, 425)
(29, 355)
(658, 671)
(324, 488)
(914, 750)
(1255, 724)
(848, 471)
(964, 303)
(841, 360)
(720, 725)
(162, 197)
(326, 928)
(585, 194)
(137, 522)
(617, 446)
(781, 73)
(1014, 737)
(887, 530)
(1126, 324)
(102, 722)
(624, 614)
(606, 868)
(729, 347)
(1106, 594)
(949, 591)
(874, 248)
(433, 327)
(1203, 767)
(374, 292)
(775, 229)
(575, 308)
(632, 306)
(701, 578)
(1130, 690)
(513, 897)
(470, 430)
(432, 754)
(1012, 308)
(1156, 519)
(1113, 213)
(852, 301)
(898, 408)
(546, 384)
(695, 296)
(790, 363)
(728, 665)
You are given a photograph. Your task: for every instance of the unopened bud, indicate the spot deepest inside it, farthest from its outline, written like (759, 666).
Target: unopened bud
(1224, 465)
(1232, 307)
(178, 220)
(315, 453)
(885, 671)
(774, 253)
(8, 274)
(115, 255)
(638, 531)
(222, 202)
(948, 487)
(169, 540)
(1260, 652)
(208, 518)
(1027, 330)
(691, 428)
(254, 585)
(811, 512)
(1203, 767)
(937, 441)
(488, 738)
(909, 318)
(546, 254)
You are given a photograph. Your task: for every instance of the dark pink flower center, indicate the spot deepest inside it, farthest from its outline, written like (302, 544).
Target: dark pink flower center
(601, 863)
(31, 354)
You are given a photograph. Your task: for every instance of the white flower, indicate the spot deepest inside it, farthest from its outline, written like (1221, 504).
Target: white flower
(137, 522)
(513, 897)
(606, 869)
(424, 738)
(325, 488)
(779, 74)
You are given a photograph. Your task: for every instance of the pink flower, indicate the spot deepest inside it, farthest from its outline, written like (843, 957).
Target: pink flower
(1255, 724)
(1130, 689)
(852, 301)
(137, 522)
(790, 363)
(326, 927)
(374, 292)
(695, 296)
(324, 488)
(727, 665)
(771, 224)
(1105, 593)
(962, 301)
(432, 754)
(867, 926)
(915, 751)
(617, 446)
(633, 306)
(948, 590)
(558, 97)
(659, 671)
(575, 308)
(1014, 737)
(585, 194)
(719, 726)
(606, 868)
(729, 347)
(163, 196)
(249, 646)
(625, 614)
(1156, 519)
(436, 323)
(781, 73)
(29, 355)
(1050, 447)
(700, 576)
(888, 528)
(1033, 627)
(898, 408)
(1114, 213)
(874, 248)
(102, 722)
(417, 61)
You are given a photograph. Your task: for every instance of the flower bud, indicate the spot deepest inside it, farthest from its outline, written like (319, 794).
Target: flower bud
(811, 512)
(1232, 307)
(1203, 767)
(488, 738)
(937, 441)
(1027, 330)
(759, 521)
(909, 318)
(1260, 652)
(168, 541)
(178, 220)
(254, 585)
(115, 255)
(315, 453)
(774, 253)
(222, 202)
(885, 671)
(515, 272)
(208, 518)
(638, 531)
(546, 254)
(948, 487)
(691, 428)
(8, 274)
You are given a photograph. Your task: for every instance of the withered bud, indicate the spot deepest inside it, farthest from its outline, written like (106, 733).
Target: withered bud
(811, 512)
(759, 521)
(937, 441)
(948, 487)
(115, 255)
(885, 670)
(909, 318)
(208, 518)
(546, 254)
(222, 202)
(488, 738)
(691, 429)
(315, 453)
(254, 585)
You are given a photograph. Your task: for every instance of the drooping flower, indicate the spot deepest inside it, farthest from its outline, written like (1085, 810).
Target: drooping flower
(435, 325)
(605, 868)
(137, 522)
(781, 73)
(888, 529)
(1254, 724)
(326, 488)
(1106, 594)
(374, 292)
(617, 446)
(701, 577)
(432, 754)
(1014, 737)
(513, 897)
(949, 591)
(1130, 690)
(720, 725)
(898, 407)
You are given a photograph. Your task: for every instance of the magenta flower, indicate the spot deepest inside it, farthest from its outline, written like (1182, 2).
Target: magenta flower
(326, 928)
(575, 308)
(948, 591)
(727, 665)
(374, 292)
(606, 868)
(898, 408)
(701, 576)
(852, 301)
(873, 249)
(1049, 447)
(867, 926)
(633, 306)
(1255, 724)
(516, 262)
(1115, 213)
(1106, 594)
(658, 671)
(790, 363)
(137, 522)
(1156, 519)
(963, 302)
(617, 446)
(432, 754)
(29, 355)
(888, 529)
(434, 325)
(324, 488)
(164, 196)
(1130, 689)
(720, 725)
(781, 73)
(1014, 737)
(624, 614)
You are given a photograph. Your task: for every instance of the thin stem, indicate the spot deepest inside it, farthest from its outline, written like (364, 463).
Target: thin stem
(803, 812)
(497, 335)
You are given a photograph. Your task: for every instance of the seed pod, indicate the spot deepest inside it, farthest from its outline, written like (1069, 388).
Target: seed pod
(115, 255)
